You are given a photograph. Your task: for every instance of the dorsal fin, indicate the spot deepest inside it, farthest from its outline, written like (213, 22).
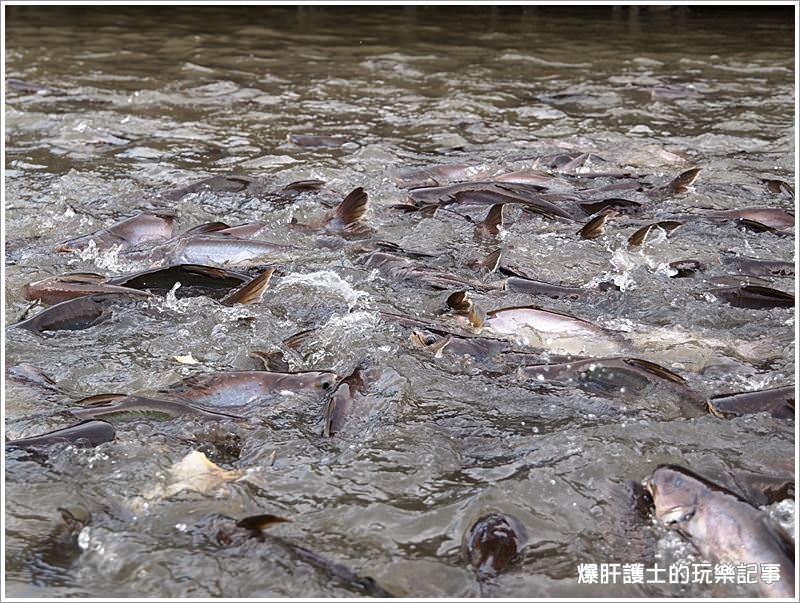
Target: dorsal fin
(250, 292)
(82, 277)
(493, 222)
(492, 261)
(100, 399)
(682, 182)
(205, 228)
(596, 226)
(350, 210)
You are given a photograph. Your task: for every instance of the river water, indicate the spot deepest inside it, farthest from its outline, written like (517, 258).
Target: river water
(159, 98)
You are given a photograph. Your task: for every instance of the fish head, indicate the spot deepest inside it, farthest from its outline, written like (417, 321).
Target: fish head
(492, 543)
(676, 495)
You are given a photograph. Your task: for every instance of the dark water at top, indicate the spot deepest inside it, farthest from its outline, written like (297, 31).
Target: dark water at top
(162, 97)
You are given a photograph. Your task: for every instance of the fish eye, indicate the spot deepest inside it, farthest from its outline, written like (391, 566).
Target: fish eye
(687, 516)
(678, 481)
(326, 384)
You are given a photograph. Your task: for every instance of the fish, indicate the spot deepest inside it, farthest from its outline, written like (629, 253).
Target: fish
(75, 314)
(493, 543)
(769, 217)
(640, 236)
(228, 183)
(436, 175)
(227, 531)
(340, 402)
(617, 377)
(758, 267)
(92, 433)
(308, 140)
(142, 228)
(403, 268)
(211, 250)
(56, 289)
(302, 186)
(233, 389)
(194, 279)
(755, 297)
(721, 525)
(533, 287)
(777, 401)
(539, 328)
(104, 405)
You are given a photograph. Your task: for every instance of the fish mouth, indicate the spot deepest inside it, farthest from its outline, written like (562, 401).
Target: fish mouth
(650, 487)
(676, 515)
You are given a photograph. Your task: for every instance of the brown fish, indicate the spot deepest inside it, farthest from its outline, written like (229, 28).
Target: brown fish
(102, 405)
(231, 389)
(194, 279)
(493, 543)
(722, 526)
(758, 267)
(614, 377)
(144, 228)
(92, 433)
(771, 217)
(437, 175)
(221, 183)
(536, 327)
(778, 401)
(75, 314)
(56, 289)
(755, 297)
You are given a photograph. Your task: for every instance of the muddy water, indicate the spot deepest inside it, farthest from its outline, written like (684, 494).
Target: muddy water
(160, 98)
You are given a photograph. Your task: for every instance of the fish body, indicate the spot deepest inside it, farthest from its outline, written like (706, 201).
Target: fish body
(75, 314)
(244, 388)
(213, 250)
(92, 432)
(722, 526)
(559, 333)
(778, 401)
(56, 289)
(144, 228)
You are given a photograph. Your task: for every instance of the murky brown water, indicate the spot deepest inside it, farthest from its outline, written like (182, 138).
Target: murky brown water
(163, 97)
